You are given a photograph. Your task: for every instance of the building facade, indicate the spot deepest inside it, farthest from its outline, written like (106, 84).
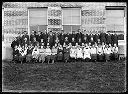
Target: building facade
(69, 16)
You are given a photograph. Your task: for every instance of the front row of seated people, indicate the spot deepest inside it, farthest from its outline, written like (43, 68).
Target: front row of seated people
(66, 53)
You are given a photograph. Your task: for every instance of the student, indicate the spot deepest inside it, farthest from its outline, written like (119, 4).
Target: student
(79, 53)
(60, 53)
(103, 47)
(115, 52)
(100, 53)
(73, 53)
(53, 54)
(73, 42)
(66, 52)
(110, 50)
(93, 52)
(29, 53)
(15, 54)
(48, 53)
(86, 53)
(35, 53)
(22, 53)
(42, 52)
(107, 52)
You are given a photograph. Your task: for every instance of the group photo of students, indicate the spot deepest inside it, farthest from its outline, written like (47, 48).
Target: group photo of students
(51, 47)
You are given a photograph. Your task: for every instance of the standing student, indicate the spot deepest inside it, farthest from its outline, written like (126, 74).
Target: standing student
(86, 53)
(73, 42)
(35, 53)
(32, 36)
(110, 50)
(108, 38)
(48, 53)
(115, 52)
(66, 53)
(93, 52)
(15, 54)
(53, 54)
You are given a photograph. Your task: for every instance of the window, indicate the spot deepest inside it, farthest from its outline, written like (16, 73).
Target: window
(38, 19)
(71, 20)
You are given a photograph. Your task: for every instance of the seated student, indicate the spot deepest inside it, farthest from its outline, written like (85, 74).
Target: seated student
(60, 53)
(54, 54)
(107, 52)
(79, 52)
(86, 53)
(73, 53)
(29, 53)
(42, 53)
(22, 53)
(103, 47)
(115, 52)
(35, 53)
(15, 54)
(66, 52)
(48, 53)
(93, 53)
(100, 53)
(110, 50)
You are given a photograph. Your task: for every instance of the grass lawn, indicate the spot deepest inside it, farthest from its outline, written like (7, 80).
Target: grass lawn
(73, 76)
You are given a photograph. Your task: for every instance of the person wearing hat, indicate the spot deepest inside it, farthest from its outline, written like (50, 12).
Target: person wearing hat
(32, 36)
(108, 38)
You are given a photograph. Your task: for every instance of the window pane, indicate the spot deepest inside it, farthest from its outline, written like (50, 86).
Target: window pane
(76, 20)
(119, 21)
(67, 21)
(115, 13)
(38, 12)
(75, 27)
(75, 12)
(67, 28)
(42, 27)
(38, 21)
(35, 28)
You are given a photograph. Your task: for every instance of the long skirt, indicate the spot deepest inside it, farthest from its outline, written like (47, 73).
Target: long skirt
(115, 56)
(94, 56)
(28, 58)
(107, 56)
(16, 58)
(48, 57)
(86, 56)
(100, 57)
(66, 56)
(79, 55)
(42, 58)
(59, 56)
(53, 57)
(21, 58)
(35, 56)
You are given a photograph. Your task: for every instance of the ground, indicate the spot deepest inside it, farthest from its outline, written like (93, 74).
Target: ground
(73, 76)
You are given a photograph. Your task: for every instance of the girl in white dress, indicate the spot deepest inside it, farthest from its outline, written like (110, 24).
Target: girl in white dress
(73, 52)
(86, 52)
(35, 53)
(79, 52)
(93, 52)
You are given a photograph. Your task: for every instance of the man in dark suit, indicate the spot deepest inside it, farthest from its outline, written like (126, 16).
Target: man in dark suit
(62, 37)
(32, 36)
(50, 39)
(38, 37)
(86, 38)
(44, 36)
(79, 36)
(108, 38)
(102, 37)
(114, 39)
(25, 35)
